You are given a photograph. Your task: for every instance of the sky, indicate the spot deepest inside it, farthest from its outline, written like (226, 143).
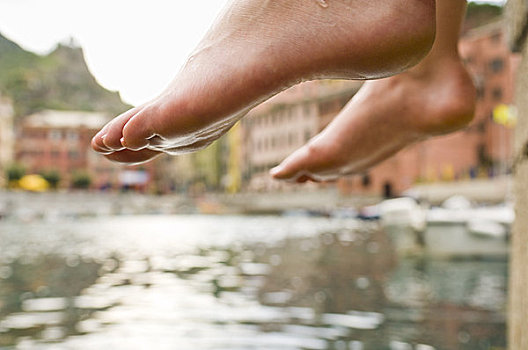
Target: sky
(135, 47)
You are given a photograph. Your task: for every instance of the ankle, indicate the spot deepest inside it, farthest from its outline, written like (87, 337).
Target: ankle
(452, 101)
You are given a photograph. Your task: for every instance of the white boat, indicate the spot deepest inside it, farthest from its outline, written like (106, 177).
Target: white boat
(404, 221)
(456, 229)
(466, 232)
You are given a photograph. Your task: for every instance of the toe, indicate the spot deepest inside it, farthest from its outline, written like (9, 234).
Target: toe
(113, 132)
(98, 144)
(315, 161)
(294, 167)
(133, 157)
(138, 130)
(97, 141)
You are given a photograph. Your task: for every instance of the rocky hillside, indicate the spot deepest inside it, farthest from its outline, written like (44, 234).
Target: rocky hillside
(60, 80)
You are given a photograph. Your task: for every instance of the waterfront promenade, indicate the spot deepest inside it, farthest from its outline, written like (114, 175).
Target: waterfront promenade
(28, 205)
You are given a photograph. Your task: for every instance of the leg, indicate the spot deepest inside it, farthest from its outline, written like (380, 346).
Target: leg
(257, 49)
(435, 97)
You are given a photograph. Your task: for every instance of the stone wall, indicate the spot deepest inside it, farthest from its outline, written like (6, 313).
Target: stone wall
(518, 304)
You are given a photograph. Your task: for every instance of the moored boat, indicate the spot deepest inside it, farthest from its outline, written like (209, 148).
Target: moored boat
(455, 230)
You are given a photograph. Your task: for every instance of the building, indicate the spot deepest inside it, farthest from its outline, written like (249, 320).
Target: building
(493, 67)
(7, 136)
(60, 141)
(278, 127)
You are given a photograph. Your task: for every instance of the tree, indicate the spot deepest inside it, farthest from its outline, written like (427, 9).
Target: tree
(81, 180)
(52, 176)
(15, 172)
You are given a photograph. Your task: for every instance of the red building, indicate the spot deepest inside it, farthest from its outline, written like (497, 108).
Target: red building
(60, 141)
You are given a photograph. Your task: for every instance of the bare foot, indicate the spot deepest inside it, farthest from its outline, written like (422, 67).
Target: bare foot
(259, 48)
(385, 116)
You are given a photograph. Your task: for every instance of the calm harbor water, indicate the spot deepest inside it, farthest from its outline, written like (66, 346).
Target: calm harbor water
(237, 282)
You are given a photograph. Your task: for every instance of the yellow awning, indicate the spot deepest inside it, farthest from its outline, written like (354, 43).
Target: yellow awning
(34, 183)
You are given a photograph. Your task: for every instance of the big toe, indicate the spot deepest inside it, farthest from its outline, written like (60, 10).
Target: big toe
(294, 167)
(317, 161)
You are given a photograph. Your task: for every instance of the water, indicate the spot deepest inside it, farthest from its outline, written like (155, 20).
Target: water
(230, 282)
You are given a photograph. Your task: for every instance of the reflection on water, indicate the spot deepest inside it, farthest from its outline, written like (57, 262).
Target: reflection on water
(206, 282)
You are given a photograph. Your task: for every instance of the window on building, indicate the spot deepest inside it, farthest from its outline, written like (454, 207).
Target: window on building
(481, 92)
(307, 135)
(496, 65)
(497, 93)
(73, 154)
(365, 180)
(483, 155)
(55, 134)
(343, 102)
(481, 127)
(306, 110)
(326, 107)
(388, 190)
(55, 153)
(72, 135)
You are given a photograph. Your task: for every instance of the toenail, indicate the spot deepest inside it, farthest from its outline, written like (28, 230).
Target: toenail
(276, 170)
(101, 145)
(111, 148)
(102, 138)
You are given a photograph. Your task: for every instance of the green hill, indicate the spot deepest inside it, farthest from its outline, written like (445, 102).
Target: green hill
(481, 14)
(60, 80)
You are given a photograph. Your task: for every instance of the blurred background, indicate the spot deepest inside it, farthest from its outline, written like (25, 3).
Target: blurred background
(205, 250)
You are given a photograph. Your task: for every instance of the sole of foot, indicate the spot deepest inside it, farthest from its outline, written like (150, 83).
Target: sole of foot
(259, 48)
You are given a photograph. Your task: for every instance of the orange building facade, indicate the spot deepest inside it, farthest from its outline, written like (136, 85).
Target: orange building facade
(60, 141)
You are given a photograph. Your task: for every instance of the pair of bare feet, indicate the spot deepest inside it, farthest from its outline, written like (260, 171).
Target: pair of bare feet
(259, 48)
